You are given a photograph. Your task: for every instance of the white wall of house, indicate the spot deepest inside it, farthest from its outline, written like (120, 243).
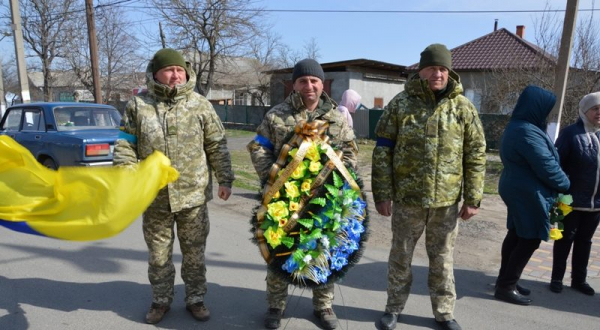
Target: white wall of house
(474, 87)
(369, 89)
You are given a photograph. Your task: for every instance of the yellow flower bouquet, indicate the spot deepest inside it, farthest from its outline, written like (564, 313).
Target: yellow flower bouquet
(560, 208)
(313, 221)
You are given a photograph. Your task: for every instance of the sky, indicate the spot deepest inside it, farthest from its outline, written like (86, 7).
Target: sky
(399, 38)
(376, 30)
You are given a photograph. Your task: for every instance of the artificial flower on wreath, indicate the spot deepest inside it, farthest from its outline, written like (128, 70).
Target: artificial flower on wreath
(313, 227)
(558, 211)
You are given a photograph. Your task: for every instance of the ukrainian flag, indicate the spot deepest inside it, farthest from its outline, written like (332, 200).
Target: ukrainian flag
(75, 203)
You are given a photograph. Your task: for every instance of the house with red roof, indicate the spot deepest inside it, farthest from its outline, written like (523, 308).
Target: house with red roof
(489, 64)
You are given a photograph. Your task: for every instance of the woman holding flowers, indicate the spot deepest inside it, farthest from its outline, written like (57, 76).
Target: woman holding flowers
(529, 184)
(579, 149)
(310, 105)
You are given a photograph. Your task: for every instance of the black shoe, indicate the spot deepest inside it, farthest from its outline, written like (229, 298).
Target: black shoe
(523, 291)
(273, 318)
(556, 286)
(449, 325)
(388, 321)
(583, 287)
(511, 296)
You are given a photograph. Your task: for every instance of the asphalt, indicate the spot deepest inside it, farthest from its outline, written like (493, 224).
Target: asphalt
(52, 284)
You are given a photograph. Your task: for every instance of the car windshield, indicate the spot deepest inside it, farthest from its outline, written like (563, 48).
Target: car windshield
(70, 118)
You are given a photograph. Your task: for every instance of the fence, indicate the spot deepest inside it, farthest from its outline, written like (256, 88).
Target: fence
(250, 117)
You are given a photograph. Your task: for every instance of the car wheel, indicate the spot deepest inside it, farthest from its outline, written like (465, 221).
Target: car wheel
(49, 163)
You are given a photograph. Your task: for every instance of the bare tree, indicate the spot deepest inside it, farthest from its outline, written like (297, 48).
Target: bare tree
(505, 84)
(44, 23)
(210, 30)
(264, 59)
(12, 88)
(116, 48)
(287, 57)
(78, 60)
(312, 50)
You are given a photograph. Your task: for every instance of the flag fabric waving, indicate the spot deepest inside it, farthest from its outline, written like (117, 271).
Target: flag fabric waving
(75, 203)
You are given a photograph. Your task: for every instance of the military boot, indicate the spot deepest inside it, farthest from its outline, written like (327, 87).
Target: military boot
(327, 317)
(199, 311)
(156, 313)
(273, 318)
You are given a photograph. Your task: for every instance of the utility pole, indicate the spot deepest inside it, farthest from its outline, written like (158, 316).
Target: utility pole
(562, 68)
(89, 10)
(162, 35)
(19, 50)
(2, 102)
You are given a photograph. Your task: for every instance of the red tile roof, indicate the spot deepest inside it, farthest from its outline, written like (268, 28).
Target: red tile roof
(500, 49)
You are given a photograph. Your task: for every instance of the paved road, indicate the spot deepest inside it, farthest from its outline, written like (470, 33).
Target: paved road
(52, 284)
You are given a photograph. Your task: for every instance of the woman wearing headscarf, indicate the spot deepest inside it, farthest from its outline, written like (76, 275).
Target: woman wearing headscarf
(530, 182)
(349, 103)
(579, 149)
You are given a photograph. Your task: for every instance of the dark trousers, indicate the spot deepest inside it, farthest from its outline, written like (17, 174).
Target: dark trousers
(516, 252)
(579, 229)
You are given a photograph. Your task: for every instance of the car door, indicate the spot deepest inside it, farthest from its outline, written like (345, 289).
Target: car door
(33, 130)
(12, 122)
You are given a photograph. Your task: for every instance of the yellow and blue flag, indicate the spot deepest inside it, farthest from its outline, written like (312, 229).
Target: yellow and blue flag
(75, 203)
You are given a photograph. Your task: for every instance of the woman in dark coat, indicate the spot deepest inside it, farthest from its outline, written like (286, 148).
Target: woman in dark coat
(530, 182)
(579, 149)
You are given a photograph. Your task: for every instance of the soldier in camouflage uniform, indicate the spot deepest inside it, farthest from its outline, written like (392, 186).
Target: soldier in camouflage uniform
(182, 124)
(307, 102)
(431, 142)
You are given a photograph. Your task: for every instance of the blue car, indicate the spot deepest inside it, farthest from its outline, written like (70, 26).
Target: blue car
(64, 133)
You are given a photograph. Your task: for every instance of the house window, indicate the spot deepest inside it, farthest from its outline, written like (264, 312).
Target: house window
(474, 95)
(239, 98)
(378, 102)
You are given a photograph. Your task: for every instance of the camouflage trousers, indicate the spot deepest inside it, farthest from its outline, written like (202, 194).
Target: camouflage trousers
(277, 292)
(441, 228)
(192, 230)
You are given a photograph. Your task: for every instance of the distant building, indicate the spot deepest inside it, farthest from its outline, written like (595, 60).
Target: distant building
(377, 82)
(478, 62)
(66, 85)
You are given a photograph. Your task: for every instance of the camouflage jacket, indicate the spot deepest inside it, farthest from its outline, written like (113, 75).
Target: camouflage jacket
(432, 150)
(278, 125)
(184, 126)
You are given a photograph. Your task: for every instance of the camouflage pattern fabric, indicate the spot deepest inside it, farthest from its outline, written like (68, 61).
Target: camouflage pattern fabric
(277, 292)
(441, 225)
(277, 128)
(185, 127)
(192, 229)
(435, 149)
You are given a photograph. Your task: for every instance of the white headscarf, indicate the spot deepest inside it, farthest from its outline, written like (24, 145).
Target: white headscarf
(348, 104)
(585, 104)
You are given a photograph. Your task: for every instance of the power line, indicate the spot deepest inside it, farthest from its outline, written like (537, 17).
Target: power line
(340, 11)
(122, 4)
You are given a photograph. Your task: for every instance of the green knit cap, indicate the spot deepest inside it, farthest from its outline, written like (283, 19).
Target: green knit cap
(436, 55)
(167, 57)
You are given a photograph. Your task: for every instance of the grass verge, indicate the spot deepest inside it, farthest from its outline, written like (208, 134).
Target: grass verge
(246, 177)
